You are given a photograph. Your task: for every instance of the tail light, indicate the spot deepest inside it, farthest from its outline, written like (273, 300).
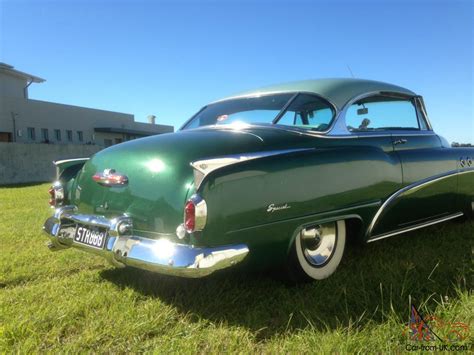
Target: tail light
(195, 214)
(56, 193)
(52, 200)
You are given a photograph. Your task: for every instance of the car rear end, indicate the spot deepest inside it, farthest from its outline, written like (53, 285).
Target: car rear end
(134, 204)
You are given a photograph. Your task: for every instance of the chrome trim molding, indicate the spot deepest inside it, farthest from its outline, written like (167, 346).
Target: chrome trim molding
(66, 216)
(340, 126)
(110, 177)
(58, 194)
(318, 243)
(412, 188)
(59, 162)
(181, 231)
(466, 171)
(417, 226)
(204, 167)
(157, 255)
(421, 104)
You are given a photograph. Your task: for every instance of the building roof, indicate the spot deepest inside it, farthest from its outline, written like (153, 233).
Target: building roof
(128, 131)
(339, 91)
(9, 69)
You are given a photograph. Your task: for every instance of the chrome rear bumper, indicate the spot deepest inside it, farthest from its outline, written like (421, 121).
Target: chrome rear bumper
(122, 248)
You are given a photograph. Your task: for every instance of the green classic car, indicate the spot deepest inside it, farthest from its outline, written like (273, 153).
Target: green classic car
(281, 176)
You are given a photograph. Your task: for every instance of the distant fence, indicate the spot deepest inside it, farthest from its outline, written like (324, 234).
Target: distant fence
(23, 163)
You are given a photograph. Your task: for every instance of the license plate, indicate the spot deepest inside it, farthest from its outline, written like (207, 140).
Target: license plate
(91, 236)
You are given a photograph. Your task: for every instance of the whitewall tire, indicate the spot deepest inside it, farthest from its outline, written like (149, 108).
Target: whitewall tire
(317, 251)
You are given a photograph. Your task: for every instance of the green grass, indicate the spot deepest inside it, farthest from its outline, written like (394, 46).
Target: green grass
(73, 301)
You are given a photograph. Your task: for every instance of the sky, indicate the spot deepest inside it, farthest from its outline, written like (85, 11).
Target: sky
(170, 58)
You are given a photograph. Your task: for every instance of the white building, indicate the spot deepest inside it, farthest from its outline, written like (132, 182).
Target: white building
(24, 120)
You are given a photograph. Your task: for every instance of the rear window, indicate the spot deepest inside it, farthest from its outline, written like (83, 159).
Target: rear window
(304, 111)
(248, 110)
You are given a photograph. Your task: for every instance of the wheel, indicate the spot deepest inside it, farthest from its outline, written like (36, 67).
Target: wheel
(317, 251)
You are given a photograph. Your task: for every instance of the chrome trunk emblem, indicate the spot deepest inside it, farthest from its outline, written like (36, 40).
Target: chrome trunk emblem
(109, 177)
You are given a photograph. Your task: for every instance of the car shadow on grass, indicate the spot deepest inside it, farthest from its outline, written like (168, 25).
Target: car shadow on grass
(373, 282)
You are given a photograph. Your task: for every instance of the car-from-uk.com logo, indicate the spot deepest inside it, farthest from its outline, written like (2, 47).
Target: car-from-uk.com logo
(430, 333)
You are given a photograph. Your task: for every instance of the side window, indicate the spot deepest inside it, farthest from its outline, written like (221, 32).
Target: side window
(308, 111)
(379, 113)
(291, 118)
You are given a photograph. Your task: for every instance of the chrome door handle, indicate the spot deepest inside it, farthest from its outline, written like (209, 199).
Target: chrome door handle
(400, 141)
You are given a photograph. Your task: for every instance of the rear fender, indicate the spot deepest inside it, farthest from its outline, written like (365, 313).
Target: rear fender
(288, 188)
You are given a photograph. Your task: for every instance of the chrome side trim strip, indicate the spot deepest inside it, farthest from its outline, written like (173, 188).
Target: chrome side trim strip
(412, 188)
(204, 167)
(415, 227)
(370, 135)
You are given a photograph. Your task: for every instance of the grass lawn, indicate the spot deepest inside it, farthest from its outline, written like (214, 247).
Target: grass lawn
(73, 301)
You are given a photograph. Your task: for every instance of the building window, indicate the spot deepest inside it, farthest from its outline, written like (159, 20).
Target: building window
(69, 135)
(80, 136)
(45, 135)
(31, 134)
(57, 133)
(118, 140)
(5, 137)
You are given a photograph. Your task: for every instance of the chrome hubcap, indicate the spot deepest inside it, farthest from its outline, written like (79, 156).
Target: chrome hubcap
(319, 242)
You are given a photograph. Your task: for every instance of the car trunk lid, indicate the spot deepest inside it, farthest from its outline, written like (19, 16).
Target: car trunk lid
(159, 175)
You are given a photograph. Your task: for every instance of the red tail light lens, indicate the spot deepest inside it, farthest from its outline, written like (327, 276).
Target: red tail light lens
(190, 216)
(195, 214)
(56, 193)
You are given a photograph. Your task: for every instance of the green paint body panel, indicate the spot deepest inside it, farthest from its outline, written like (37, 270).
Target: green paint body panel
(327, 178)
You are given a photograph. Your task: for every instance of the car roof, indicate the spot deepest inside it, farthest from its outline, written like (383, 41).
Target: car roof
(338, 91)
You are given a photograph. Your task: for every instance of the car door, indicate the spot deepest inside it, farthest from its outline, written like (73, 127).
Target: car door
(429, 178)
(428, 170)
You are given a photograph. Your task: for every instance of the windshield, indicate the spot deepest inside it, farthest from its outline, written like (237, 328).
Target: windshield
(305, 111)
